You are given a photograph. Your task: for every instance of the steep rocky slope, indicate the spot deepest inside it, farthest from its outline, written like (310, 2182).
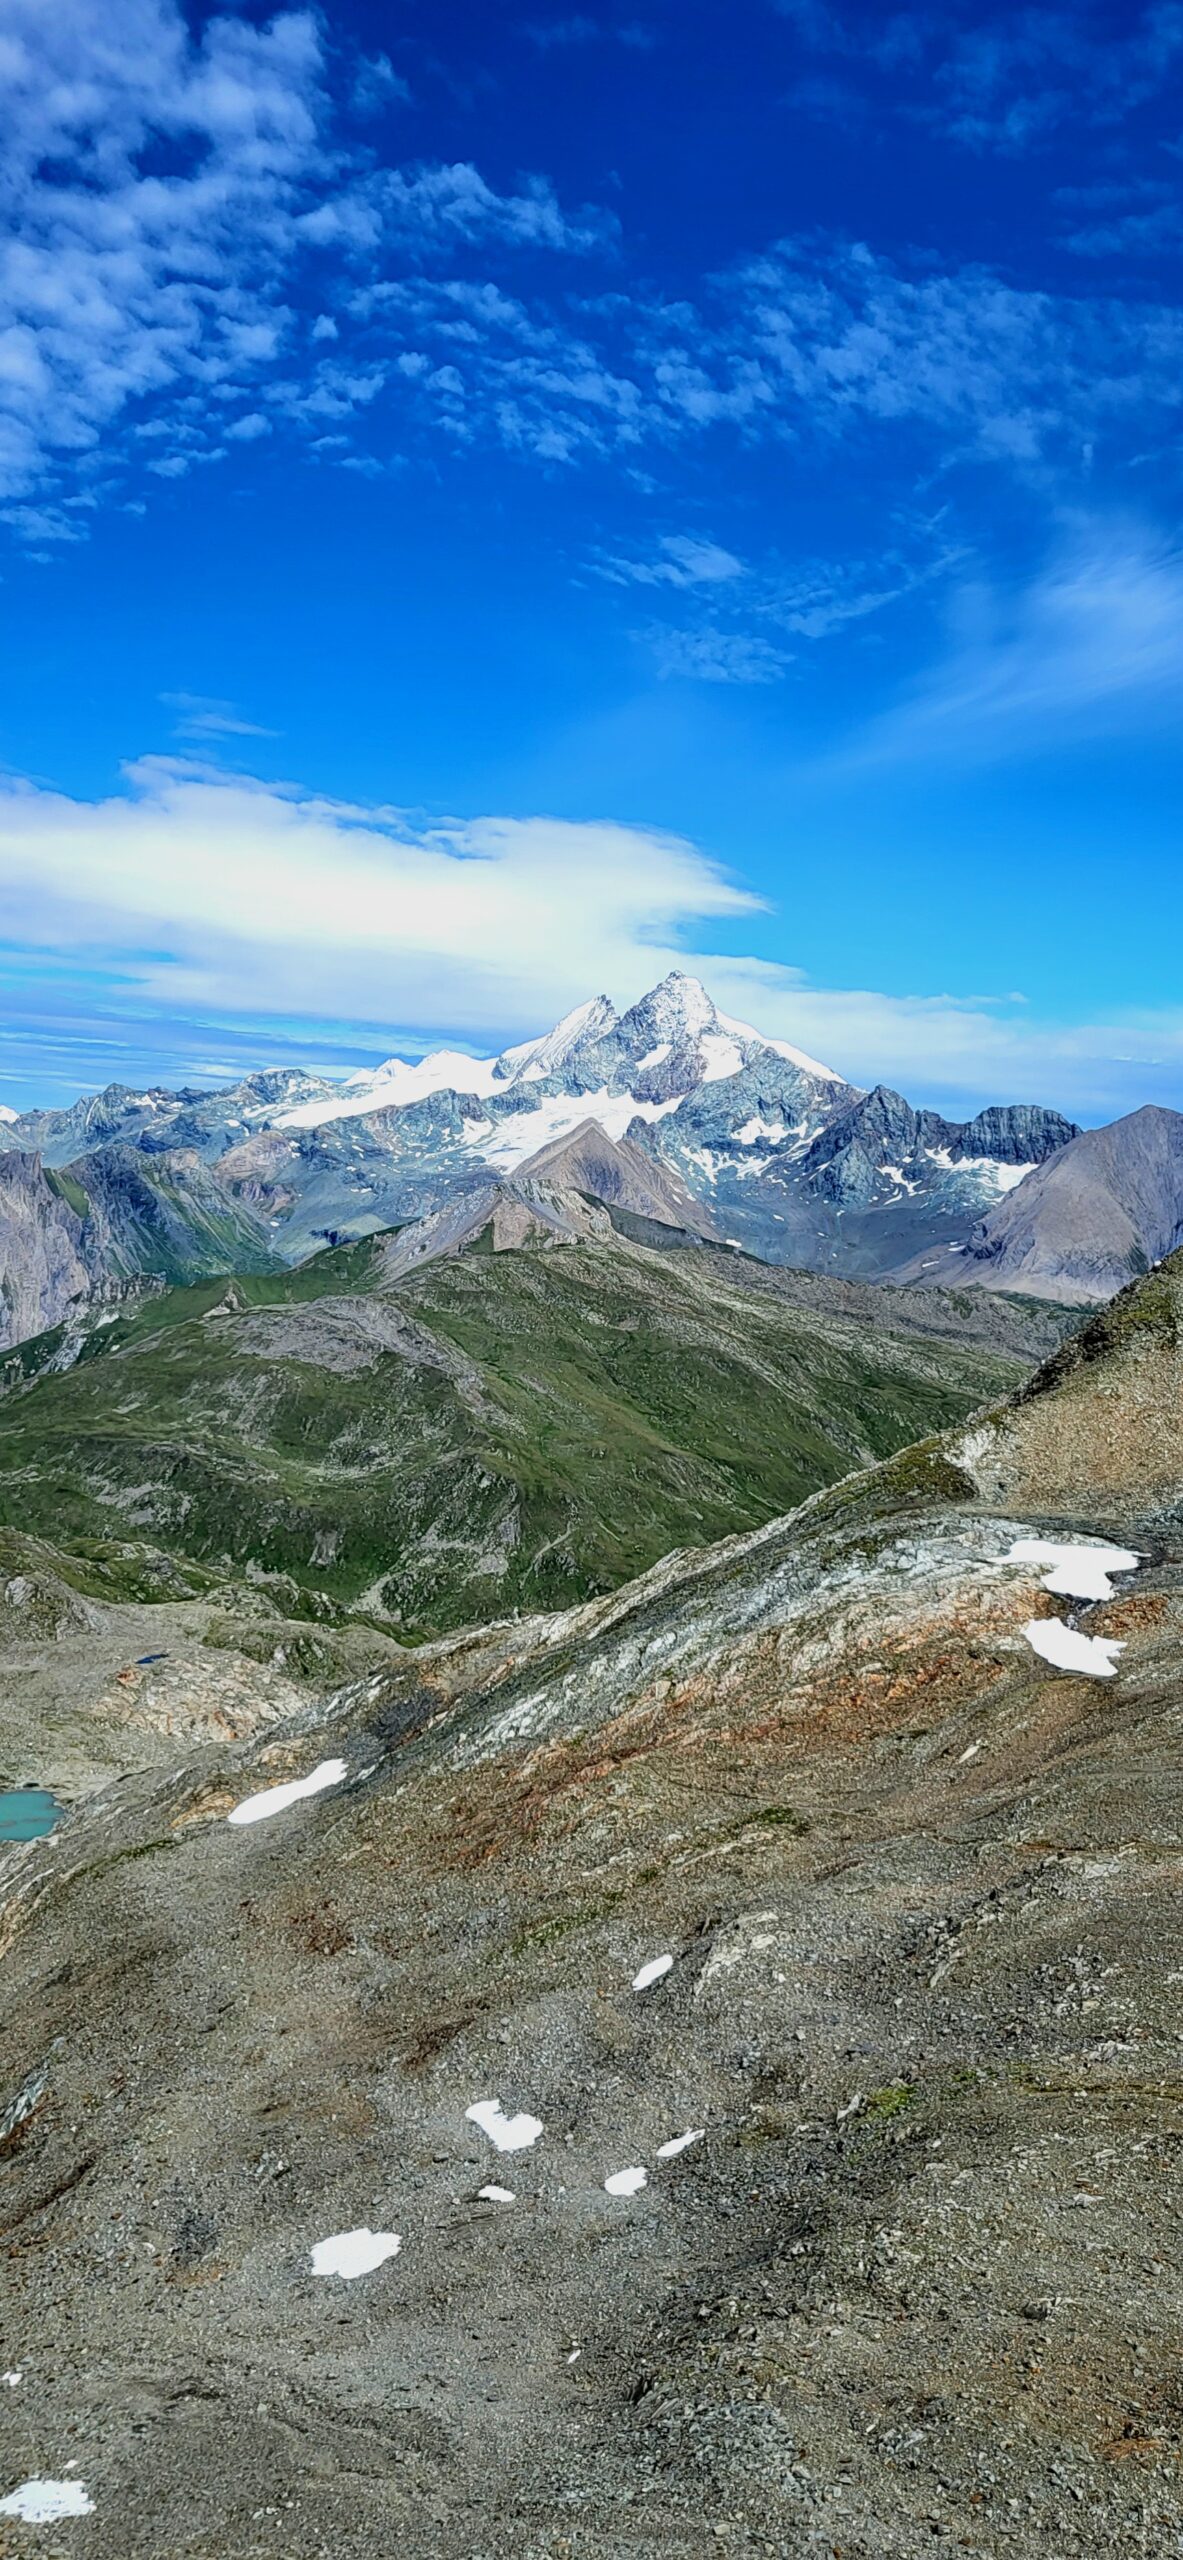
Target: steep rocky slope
(619, 1172)
(426, 1431)
(860, 1192)
(43, 1269)
(915, 1895)
(70, 1236)
(1101, 1210)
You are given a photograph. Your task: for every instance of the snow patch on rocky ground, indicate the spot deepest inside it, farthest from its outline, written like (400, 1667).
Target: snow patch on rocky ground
(354, 2253)
(269, 1800)
(1078, 1572)
(507, 2133)
(655, 1971)
(47, 2501)
(1068, 1650)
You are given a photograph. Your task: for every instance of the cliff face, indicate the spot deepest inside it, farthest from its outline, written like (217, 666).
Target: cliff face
(44, 1269)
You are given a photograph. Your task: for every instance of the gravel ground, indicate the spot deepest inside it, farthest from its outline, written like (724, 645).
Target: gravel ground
(916, 2282)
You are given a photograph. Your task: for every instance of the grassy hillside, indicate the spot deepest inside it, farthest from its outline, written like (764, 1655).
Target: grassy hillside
(497, 1432)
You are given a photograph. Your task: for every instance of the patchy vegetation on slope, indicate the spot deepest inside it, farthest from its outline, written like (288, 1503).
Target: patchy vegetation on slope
(492, 1433)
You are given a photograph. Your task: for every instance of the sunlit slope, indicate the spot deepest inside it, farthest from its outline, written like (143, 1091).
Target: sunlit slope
(497, 1432)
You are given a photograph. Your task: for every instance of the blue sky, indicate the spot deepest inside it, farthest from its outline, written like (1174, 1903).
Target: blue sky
(499, 503)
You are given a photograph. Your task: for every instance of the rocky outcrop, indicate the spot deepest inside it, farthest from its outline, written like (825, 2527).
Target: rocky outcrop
(45, 1270)
(620, 1173)
(1096, 1212)
(165, 1214)
(74, 1234)
(846, 1162)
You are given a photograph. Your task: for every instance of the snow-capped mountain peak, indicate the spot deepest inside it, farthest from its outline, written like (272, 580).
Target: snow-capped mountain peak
(644, 1061)
(532, 1059)
(678, 1009)
(788, 1158)
(743, 1031)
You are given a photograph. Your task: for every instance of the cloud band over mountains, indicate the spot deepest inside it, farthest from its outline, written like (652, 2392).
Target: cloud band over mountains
(220, 902)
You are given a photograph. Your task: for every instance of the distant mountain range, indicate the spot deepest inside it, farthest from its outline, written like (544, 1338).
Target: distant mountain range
(672, 1110)
(744, 1137)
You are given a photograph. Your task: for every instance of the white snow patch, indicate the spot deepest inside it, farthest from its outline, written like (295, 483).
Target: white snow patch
(497, 2195)
(720, 1057)
(653, 1057)
(757, 1128)
(782, 1048)
(1070, 1651)
(397, 1082)
(626, 2182)
(507, 2133)
(1001, 1177)
(681, 2142)
(1078, 1572)
(525, 1131)
(46, 2501)
(654, 1971)
(7, 1113)
(11, 2379)
(354, 2253)
(269, 1800)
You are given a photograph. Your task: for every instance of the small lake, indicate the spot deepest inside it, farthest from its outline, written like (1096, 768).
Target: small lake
(27, 1812)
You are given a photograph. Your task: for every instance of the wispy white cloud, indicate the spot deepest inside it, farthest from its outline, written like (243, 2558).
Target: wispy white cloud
(709, 655)
(995, 78)
(160, 196)
(202, 898)
(681, 560)
(1091, 645)
(733, 620)
(199, 717)
(273, 900)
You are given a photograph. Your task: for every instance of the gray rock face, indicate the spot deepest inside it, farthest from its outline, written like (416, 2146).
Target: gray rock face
(164, 1214)
(1092, 1217)
(618, 1171)
(847, 1182)
(44, 1271)
(75, 1234)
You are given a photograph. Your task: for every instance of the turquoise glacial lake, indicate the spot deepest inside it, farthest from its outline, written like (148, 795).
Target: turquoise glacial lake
(27, 1812)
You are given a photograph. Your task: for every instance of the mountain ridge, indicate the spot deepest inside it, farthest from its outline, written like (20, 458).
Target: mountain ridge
(1089, 1219)
(783, 1154)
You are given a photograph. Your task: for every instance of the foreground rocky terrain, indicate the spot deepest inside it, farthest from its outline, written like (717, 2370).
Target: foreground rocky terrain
(799, 1846)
